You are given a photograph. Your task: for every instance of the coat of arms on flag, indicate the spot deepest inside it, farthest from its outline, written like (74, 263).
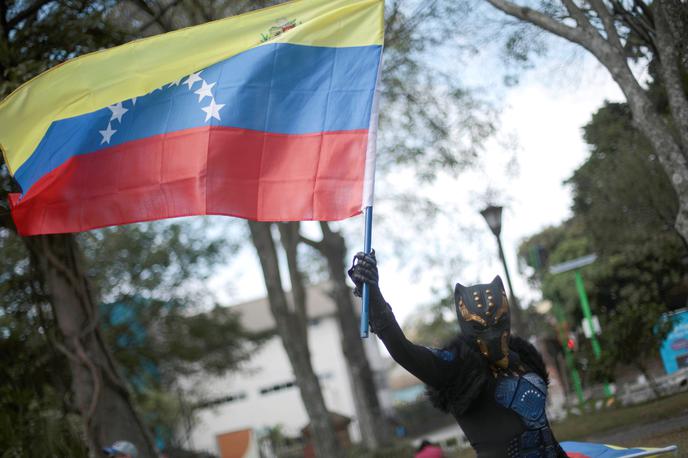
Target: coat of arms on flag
(268, 116)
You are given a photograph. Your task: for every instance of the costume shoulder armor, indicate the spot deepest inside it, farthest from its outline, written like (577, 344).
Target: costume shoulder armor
(465, 380)
(441, 353)
(529, 356)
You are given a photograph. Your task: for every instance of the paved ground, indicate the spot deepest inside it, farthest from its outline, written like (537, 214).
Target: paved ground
(658, 433)
(616, 436)
(639, 432)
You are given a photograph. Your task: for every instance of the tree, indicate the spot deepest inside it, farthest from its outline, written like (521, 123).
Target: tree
(291, 323)
(416, 94)
(100, 391)
(631, 292)
(159, 319)
(621, 33)
(555, 245)
(292, 328)
(429, 121)
(34, 36)
(639, 192)
(415, 98)
(34, 379)
(375, 430)
(640, 272)
(448, 125)
(150, 322)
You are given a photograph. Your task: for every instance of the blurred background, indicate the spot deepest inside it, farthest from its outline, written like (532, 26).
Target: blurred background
(503, 149)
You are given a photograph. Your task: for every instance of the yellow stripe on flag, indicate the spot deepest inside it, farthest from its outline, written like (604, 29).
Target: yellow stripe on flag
(96, 80)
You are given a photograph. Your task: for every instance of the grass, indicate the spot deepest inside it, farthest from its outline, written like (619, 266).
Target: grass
(580, 427)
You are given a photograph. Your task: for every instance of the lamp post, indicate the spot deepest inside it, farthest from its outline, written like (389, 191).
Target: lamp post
(493, 217)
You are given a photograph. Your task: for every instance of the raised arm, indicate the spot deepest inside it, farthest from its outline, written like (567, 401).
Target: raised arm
(430, 365)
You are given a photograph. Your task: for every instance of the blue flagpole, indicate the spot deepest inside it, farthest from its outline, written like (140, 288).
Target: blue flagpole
(367, 241)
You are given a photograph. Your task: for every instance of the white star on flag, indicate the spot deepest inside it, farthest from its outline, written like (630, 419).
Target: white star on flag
(212, 110)
(176, 83)
(194, 77)
(107, 134)
(117, 111)
(204, 91)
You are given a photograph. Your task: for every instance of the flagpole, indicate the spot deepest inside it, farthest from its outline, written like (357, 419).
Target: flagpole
(367, 239)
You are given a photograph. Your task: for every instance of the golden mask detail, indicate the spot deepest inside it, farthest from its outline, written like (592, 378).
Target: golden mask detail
(503, 309)
(469, 316)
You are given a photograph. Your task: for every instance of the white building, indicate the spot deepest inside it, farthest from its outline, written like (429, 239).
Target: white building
(264, 393)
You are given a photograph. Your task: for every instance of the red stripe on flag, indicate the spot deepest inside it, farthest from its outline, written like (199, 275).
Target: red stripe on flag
(206, 170)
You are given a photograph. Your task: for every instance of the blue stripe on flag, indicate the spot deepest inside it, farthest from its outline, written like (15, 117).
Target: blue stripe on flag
(278, 88)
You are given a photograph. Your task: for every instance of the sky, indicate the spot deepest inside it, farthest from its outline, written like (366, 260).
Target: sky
(538, 146)
(544, 116)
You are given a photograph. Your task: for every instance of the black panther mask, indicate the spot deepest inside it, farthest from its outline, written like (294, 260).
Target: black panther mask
(483, 312)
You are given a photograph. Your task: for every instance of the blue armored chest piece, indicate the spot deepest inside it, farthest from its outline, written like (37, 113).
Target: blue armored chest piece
(526, 395)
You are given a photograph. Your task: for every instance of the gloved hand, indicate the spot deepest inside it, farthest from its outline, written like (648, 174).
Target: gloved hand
(364, 270)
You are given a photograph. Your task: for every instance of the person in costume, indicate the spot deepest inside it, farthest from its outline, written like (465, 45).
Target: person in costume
(493, 383)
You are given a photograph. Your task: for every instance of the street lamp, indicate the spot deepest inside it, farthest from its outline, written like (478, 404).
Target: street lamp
(493, 217)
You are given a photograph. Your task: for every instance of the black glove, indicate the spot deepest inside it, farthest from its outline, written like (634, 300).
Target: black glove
(364, 270)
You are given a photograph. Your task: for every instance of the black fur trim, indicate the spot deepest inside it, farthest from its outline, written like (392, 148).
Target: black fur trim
(466, 380)
(529, 356)
(470, 374)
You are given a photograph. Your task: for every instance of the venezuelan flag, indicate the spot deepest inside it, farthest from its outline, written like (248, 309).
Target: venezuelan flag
(268, 116)
(593, 450)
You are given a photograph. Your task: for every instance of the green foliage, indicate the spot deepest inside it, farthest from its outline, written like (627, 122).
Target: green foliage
(170, 328)
(157, 270)
(160, 321)
(621, 181)
(34, 40)
(34, 377)
(427, 118)
(636, 322)
(34, 420)
(37, 415)
(168, 257)
(552, 246)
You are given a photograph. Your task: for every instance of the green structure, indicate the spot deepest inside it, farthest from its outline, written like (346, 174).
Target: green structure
(577, 264)
(568, 355)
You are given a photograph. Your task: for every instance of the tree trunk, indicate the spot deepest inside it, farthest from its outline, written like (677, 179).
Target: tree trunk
(99, 391)
(289, 235)
(375, 429)
(671, 152)
(668, 148)
(295, 344)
